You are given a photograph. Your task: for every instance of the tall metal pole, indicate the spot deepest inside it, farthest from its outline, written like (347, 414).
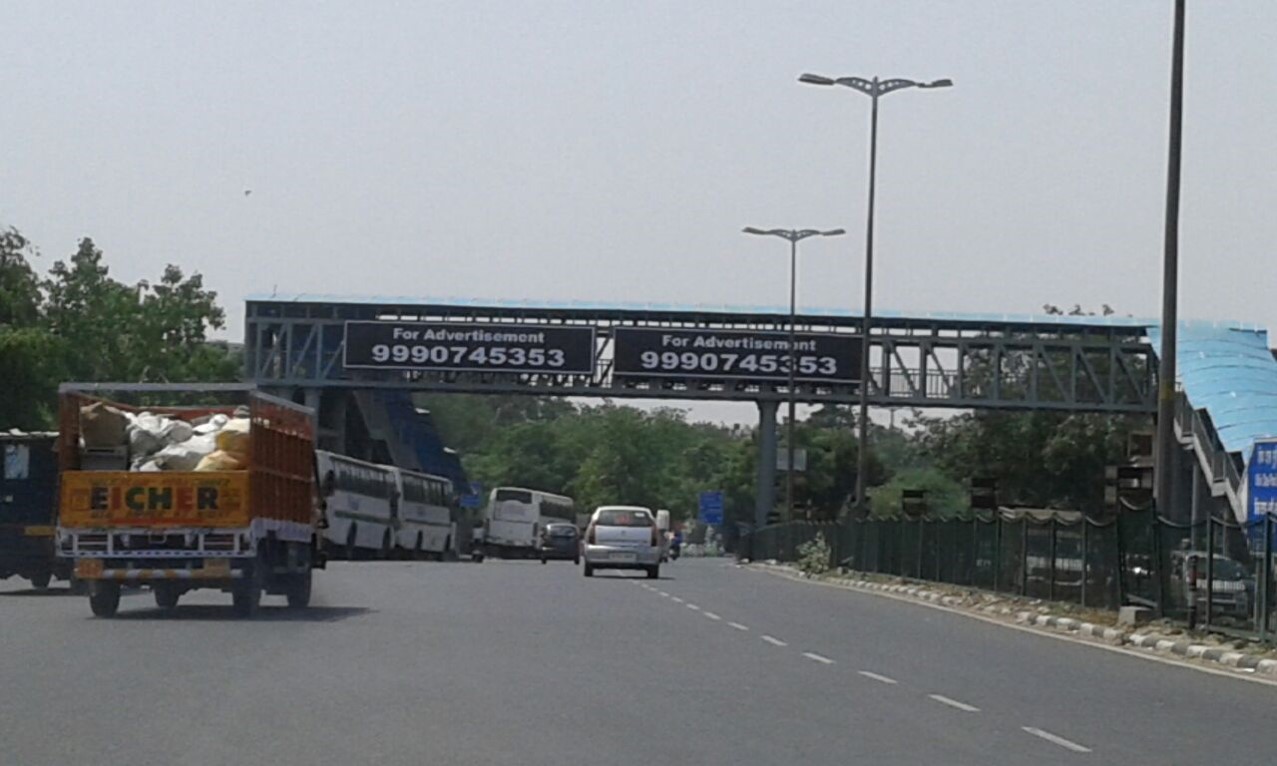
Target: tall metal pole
(789, 433)
(862, 480)
(1170, 277)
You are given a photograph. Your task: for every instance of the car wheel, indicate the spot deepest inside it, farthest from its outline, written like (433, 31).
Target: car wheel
(576, 562)
(589, 570)
(543, 559)
(654, 572)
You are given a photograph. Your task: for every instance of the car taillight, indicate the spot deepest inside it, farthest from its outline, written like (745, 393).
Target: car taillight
(656, 537)
(589, 535)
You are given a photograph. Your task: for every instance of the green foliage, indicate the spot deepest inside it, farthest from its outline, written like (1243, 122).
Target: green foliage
(81, 324)
(813, 555)
(945, 496)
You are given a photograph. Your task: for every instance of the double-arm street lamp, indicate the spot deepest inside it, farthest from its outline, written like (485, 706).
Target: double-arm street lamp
(874, 89)
(794, 236)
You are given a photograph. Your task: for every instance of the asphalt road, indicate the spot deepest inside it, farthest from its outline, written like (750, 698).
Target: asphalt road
(518, 663)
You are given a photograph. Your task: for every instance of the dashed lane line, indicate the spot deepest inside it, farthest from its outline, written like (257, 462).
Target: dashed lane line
(877, 677)
(738, 626)
(818, 658)
(677, 600)
(1057, 740)
(693, 607)
(954, 703)
(711, 615)
(774, 641)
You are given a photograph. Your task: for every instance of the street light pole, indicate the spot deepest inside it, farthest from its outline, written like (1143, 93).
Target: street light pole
(875, 89)
(794, 236)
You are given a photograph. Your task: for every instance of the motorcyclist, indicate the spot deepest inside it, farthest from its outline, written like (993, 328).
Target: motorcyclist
(676, 544)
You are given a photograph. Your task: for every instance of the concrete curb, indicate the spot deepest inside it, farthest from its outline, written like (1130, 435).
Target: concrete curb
(1158, 644)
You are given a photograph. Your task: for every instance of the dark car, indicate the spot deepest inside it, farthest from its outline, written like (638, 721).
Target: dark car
(560, 541)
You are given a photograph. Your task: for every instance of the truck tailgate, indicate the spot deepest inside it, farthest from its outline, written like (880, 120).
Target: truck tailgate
(162, 499)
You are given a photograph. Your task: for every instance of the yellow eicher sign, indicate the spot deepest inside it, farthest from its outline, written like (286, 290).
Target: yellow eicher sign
(160, 499)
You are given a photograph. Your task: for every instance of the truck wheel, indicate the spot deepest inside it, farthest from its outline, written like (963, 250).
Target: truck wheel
(41, 581)
(166, 596)
(246, 595)
(299, 591)
(104, 598)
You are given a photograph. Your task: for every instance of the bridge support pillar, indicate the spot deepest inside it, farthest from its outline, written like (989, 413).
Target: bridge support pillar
(765, 492)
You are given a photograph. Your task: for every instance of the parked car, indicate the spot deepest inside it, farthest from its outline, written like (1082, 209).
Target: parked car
(623, 537)
(1232, 586)
(560, 542)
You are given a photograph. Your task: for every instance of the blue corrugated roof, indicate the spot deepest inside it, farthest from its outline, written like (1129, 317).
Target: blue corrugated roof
(1232, 374)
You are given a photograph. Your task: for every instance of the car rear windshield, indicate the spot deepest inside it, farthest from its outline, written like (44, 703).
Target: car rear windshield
(624, 519)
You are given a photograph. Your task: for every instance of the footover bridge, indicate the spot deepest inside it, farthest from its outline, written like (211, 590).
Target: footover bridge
(357, 360)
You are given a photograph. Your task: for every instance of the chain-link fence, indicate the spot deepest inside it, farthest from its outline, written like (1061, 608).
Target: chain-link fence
(1135, 557)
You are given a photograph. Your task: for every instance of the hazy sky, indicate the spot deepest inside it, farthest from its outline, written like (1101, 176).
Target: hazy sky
(613, 150)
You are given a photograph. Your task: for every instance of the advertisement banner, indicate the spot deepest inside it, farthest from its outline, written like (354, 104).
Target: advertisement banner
(735, 355)
(469, 347)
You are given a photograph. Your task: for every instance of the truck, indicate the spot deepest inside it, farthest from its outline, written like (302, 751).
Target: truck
(244, 527)
(28, 506)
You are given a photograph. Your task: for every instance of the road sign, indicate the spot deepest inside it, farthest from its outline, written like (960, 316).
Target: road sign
(1261, 480)
(711, 508)
(800, 460)
(469, 347)
(734, 355)
(471, 501)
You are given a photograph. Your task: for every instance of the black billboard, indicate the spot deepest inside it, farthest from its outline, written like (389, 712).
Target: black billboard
(734, 354)
(469, 347)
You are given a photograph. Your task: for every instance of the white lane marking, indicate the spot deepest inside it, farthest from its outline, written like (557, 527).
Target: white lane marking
(1056, 739)
(774, 641)
(676, 600)
(818, 658)
(712, 616)
(954, 703)
(738, 626)
(664, 594)
(693, 607)
(876, 677)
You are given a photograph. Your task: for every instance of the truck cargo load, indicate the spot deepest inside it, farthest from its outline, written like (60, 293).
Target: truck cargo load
(178, 497)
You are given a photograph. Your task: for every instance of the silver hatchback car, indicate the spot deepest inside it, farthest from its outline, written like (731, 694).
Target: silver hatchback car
(622, 537)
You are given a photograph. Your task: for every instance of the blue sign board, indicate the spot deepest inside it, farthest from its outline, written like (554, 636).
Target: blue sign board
(471, 501)
(711, 510)
(1261, 481)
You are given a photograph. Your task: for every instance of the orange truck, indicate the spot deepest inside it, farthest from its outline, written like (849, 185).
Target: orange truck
(246, 525)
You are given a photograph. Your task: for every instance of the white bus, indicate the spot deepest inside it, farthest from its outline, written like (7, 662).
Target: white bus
(426, 525)
(514, 518)
(361, 505)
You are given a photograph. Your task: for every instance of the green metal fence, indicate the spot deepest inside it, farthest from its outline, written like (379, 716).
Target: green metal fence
(1135, 557)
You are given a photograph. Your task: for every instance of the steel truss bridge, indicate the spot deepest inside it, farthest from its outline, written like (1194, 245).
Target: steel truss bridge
(1080, 364)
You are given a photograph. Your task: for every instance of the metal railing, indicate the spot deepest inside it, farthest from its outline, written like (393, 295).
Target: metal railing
(1136, 557)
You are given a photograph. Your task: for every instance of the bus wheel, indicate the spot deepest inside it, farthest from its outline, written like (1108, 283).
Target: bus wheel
(418, 554)
(350, 543)
(104, 598)
(386, 550)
